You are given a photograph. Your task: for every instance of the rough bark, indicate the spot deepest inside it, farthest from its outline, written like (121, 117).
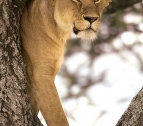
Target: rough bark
(133, 116)
(15, 108)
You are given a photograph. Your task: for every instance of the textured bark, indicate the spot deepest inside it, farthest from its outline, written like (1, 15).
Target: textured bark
(15, 108)
(133, 116)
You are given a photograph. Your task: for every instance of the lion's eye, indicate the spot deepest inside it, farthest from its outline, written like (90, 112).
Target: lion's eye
(97, 1)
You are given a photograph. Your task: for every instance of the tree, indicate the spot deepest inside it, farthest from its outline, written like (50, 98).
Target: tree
(133, 116)
(15, 108)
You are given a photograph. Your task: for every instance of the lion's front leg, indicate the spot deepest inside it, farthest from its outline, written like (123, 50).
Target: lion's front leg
(30, 84)
(33, 100)
(46, 93)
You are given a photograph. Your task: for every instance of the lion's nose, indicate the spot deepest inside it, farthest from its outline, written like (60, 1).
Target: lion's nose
(90, 19)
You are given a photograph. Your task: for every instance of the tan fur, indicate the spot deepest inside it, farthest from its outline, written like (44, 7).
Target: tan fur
(45, 27)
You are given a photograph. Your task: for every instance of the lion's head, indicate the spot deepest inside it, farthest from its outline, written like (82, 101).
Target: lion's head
(82, 17)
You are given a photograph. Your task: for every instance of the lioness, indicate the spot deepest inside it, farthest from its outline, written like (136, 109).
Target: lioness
(45, 27)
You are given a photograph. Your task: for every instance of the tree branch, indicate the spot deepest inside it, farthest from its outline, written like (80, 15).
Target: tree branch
(133, 116)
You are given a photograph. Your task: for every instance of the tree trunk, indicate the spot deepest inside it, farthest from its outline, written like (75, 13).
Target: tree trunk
(15, 108)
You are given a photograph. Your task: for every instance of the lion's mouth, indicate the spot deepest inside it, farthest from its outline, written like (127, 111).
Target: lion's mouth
(76, 31)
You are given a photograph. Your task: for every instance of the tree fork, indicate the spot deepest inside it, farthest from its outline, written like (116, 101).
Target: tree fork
(15, 108)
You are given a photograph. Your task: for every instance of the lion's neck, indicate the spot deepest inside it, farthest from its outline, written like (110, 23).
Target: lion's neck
(46, 21)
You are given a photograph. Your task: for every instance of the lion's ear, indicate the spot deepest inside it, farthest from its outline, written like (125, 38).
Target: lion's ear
(106, 2)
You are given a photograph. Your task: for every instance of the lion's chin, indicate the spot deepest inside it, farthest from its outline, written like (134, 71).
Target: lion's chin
(88, 34)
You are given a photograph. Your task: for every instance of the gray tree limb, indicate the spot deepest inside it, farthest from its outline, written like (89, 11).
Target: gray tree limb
(15, 108)
(133, 116)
